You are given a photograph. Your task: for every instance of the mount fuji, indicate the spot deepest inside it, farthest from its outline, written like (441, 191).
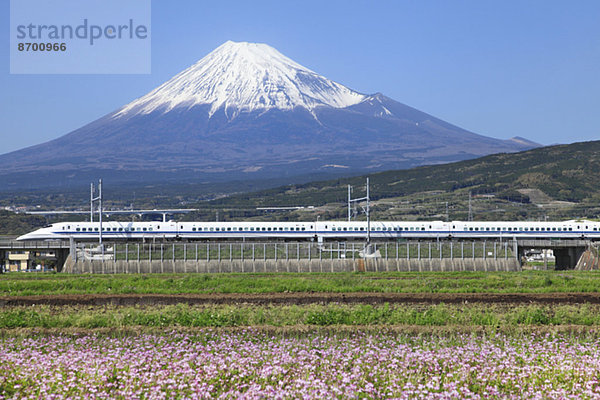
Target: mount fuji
(246, 111)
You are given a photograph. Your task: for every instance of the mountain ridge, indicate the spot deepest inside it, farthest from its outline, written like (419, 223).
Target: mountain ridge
(208, 123)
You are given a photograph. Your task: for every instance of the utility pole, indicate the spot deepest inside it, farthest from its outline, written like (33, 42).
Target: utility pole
(368, 215)
(99, 199)
(349, 203)
(470, 218)
(92, 202)
(366, 210)
(447, 215)
(100, 214)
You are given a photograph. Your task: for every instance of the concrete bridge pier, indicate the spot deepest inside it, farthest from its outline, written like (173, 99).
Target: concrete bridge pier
(61, 258)
(567, 257)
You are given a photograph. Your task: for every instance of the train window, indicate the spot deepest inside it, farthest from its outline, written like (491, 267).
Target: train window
(264, 229)
(362, 229)
(595, 229)
(570, 229)
(77, 229)
(150, 229)
(144, 229)
(96, 229)
(537, 229)
(218, 229)
(241, 229)
(487, 229)
(228, 229)
(193, 229)
(305, 228)
(553, 229)
(269, 228)
(345, 229)
(157, 226)
(121, 229)
(63, 228)
(181, 226)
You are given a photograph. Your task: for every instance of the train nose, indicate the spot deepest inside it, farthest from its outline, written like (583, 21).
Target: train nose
(35, 235)
(24, 237)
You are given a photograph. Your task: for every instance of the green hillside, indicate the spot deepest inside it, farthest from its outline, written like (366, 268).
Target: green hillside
(550, 182)
(555, 182)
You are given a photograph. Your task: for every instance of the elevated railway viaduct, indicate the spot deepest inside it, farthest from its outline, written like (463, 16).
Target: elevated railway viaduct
(417, 255)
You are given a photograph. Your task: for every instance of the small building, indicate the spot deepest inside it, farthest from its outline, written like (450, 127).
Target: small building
(25, 260)
(18, 260)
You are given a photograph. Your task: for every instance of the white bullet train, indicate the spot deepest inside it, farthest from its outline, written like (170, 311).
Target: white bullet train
(319, 230)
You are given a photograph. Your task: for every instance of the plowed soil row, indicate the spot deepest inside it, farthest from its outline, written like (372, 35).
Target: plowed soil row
(303, 298)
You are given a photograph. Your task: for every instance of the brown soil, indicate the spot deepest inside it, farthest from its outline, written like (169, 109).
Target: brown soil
(303, 298)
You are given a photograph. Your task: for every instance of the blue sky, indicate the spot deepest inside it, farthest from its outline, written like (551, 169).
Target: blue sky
(497, 68)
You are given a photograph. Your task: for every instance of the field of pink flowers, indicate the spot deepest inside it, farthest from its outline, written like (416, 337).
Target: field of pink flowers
(252, 364)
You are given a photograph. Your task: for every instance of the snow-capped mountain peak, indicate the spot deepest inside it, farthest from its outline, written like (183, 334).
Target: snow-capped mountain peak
(241, 76)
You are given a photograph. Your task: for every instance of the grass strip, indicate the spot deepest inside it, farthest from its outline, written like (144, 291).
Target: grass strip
(19, 284)
(182, 315)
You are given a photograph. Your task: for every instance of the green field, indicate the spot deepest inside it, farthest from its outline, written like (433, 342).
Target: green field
(20, 284)
(361, 315)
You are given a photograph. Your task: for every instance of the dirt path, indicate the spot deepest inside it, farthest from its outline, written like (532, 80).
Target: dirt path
(304, 298)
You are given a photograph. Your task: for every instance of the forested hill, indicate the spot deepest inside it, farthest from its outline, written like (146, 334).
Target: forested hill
(568, 173)
(555, 182)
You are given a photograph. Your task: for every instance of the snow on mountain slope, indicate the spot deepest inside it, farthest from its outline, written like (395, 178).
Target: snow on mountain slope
(244, 77)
